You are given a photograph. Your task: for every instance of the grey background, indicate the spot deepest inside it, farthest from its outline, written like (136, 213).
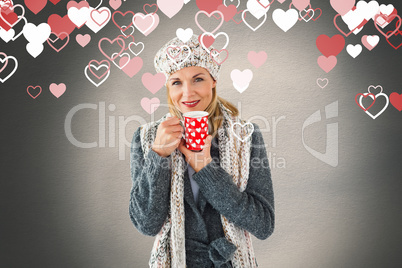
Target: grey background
(64, 206)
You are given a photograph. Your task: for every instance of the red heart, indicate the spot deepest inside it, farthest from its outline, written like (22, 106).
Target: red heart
(208, 5)
(330, 46)
(11, 18)
(207, 40)
(35, 5)
(60, 25)
(227, 11)
(54, 1)
(314, 19)
(150, 6)
(364, 96)
(396, 100)
(123, 15)
(32, 87)
(389, 42)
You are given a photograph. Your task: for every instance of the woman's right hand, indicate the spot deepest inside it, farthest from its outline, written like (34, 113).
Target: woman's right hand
(168, 136)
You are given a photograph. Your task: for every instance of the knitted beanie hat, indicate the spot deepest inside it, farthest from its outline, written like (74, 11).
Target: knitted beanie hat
(176, 55)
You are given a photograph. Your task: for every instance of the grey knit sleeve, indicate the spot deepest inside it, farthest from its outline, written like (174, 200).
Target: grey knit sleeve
(150, 191)
(252, 209)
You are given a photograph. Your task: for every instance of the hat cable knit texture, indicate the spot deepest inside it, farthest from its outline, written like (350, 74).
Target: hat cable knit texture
(176, 55)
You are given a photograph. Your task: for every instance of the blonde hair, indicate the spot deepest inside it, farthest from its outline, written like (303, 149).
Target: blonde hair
(215, 115)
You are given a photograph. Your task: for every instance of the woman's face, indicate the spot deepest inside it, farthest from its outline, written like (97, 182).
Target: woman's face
(191, 84)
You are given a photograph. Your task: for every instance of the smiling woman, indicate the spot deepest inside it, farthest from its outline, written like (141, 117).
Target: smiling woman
(202, 214)
(194, 89)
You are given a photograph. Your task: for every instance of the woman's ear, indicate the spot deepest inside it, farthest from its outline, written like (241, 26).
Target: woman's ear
(214, 84)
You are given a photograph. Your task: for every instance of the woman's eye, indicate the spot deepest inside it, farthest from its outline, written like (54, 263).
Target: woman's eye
(199, 78)
(174, 83)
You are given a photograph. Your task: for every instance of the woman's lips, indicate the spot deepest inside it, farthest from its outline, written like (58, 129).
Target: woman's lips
(191, 105)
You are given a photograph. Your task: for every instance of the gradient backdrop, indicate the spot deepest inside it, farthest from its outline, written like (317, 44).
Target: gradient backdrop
(62, 205)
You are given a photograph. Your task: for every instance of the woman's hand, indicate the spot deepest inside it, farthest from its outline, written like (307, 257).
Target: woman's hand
(168, 136)
(198, 160)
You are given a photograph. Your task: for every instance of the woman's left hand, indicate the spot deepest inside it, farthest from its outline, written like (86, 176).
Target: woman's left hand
(197, 160)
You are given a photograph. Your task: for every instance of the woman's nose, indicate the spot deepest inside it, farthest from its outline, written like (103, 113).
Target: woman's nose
(188, 89)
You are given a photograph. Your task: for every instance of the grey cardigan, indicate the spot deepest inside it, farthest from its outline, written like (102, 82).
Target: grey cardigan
(206, 245)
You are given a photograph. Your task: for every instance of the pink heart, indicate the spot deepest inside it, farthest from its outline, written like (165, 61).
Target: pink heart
(390, 33)
(111, 42)
(101, 17)
(150, 105)
(327, 63)
(57, 90)
(144, 23)
(3, 60)
(58, 37)
(99, 63)
(115, 4)
(301, 4)
(221, 16)
(153, 82)
(257, 59)
(132, 67)
(171, 7)
(342, 6)
(219, 52)
(79, 5)
(83, 40)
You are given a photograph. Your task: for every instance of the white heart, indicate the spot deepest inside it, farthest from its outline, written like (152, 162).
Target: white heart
(354, 50)
(285, 19)
(136, 44)
(97, 68)
(242, 125)
(198, 141)
(248, 25)
(193, 123)
(198, 129)
(15, 68)
(34, 49)
(371, 96)
(36, 34)
(184, 35)
(373, 40)
(7, 35)
(193, 134)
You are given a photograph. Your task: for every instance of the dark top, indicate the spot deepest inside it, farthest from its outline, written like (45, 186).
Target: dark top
(206, 245)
